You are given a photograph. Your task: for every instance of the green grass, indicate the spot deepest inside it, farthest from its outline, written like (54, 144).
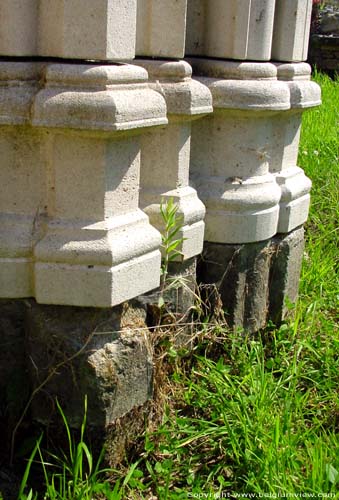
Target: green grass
(262, 417)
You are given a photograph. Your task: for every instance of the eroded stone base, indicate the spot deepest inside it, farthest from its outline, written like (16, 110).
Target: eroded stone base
(255, 281)
(285, 271)
(103, 354)
(66, 354)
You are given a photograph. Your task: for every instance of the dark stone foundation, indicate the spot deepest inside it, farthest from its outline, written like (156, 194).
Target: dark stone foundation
(254, 280)
(107, 355)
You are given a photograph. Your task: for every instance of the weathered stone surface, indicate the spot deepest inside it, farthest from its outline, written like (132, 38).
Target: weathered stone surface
(165, 152)
(236, 29)
(229, 155)
(324, 52)
(328, 20)
(241, 276)
(283, 149)
(178, 293)
(102, 353)
(79, 29)
(291, 30)
(287, 255)
(161, 28)
(256, 281)
(69, 183)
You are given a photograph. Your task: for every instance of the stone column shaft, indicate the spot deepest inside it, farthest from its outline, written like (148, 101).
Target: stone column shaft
(161, 28)
(236, 29)
(291, 30)
(79, 29)
(166, 152)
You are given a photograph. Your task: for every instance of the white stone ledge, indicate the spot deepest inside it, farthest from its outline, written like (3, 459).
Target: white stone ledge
(71, 231)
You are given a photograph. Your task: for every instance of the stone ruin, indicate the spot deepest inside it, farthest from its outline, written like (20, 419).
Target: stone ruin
(324, 40)
(108, 108)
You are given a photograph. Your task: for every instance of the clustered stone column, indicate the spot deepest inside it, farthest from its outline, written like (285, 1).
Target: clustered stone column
(94, 144)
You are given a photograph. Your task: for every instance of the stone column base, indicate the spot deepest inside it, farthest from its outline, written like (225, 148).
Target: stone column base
(255, 281)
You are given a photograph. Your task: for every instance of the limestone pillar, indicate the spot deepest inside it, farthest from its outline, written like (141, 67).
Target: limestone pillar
(165, 156)
(79, 29)
(295, 186)
(230, 150)
(22, 178)
(230, 169)
(291, 30)
(161, 28)
(84, 29)
(236, 29)
(18, 27)
(98, 249)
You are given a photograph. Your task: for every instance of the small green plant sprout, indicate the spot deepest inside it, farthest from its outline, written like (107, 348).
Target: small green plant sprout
(170, 241)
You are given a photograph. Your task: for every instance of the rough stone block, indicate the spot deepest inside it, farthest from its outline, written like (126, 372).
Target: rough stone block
(291, 30)
(256, 281)
(14, 389)
(161, 28)
(241, 276)
(102, 353)
(287, 256)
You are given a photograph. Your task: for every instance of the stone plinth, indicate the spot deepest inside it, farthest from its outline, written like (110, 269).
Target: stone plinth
(236, 29)
(165, 155)
(230, 159)
(72, 231)
(161, 28)
(291, 30)
(295, 186)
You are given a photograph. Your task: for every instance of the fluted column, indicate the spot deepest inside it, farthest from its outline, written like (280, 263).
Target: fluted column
(236, 29)
(291, 30)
